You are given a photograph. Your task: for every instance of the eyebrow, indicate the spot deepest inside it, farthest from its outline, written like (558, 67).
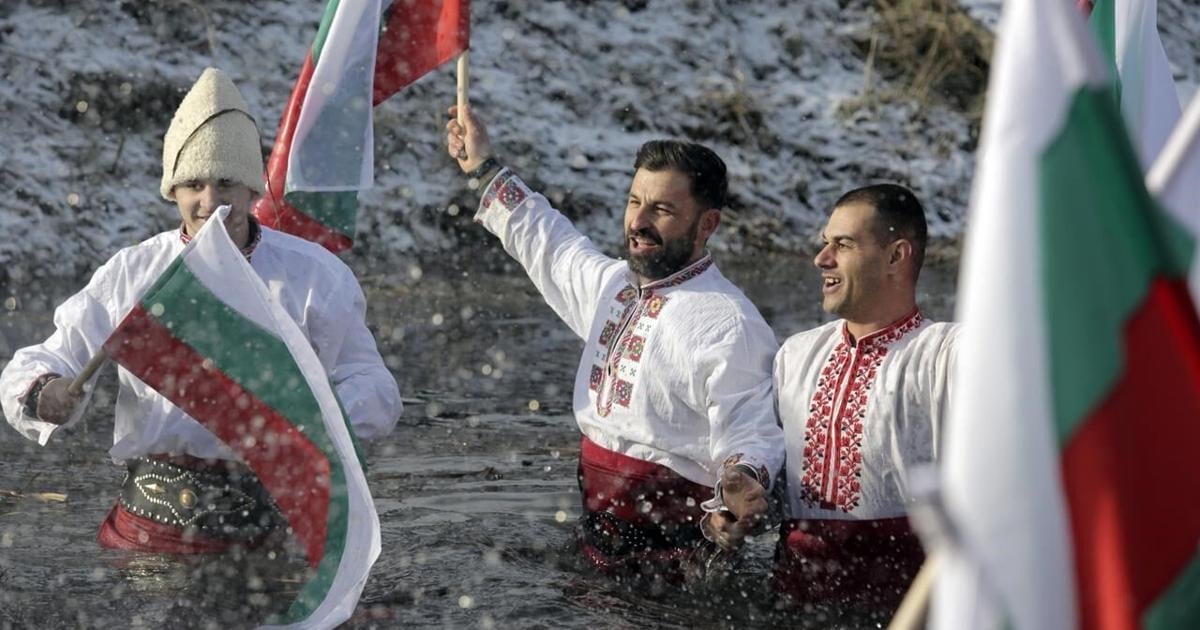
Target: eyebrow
(664, 203)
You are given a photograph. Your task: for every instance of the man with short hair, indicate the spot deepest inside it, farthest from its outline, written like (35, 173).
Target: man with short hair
(211, 157)
(673, 391)
(862, 401)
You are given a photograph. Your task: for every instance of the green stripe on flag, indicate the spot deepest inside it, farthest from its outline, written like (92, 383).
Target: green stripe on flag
(323, 29)
(1103, 241)
(261, 363)
(335, 210)
(1179, 606)
(1103, 23)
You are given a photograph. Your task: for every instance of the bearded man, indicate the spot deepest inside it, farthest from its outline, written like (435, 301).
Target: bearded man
(673, 391)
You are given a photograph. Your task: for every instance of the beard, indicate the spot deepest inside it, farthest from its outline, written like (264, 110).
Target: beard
(671, 256)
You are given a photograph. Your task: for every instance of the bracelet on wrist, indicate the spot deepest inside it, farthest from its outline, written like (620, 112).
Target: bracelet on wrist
(484, 169)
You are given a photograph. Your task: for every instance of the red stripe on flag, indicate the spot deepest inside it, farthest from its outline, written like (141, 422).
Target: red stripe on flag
(418, 37)
(290, 466)
(1131, 473)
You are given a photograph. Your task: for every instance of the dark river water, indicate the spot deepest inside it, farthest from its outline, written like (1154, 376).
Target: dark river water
(475, 489)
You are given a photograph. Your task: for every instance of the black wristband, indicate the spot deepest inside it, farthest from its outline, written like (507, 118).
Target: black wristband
(484, 168)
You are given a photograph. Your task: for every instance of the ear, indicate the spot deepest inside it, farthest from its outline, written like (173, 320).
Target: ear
(902, 252)
(709, 220)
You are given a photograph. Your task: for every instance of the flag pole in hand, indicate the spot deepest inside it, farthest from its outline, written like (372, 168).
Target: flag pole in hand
(76, 386)
(463, 83)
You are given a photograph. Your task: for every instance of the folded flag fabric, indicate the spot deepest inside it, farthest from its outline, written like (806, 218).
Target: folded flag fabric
(209, 337)
(1068, 469)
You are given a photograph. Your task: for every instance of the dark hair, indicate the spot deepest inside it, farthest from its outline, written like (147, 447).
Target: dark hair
(898, 214)
(710, 186)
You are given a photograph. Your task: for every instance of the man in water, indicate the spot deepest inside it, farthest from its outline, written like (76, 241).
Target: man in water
(862, 400)
(182, 480)
(673, 391)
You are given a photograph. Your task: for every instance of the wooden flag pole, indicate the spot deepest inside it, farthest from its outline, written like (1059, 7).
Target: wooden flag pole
(915, 607)
(76, 386)
(463, 83)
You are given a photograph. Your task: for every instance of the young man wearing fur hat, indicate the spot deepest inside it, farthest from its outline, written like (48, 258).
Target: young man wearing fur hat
(211, 157)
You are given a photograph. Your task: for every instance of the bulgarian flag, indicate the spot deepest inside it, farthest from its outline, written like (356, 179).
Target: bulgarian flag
(324, 149)
(1069, 473)
(209, 337)
(1127, 31)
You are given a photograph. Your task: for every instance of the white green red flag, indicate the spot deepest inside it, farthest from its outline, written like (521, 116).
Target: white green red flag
(1069, 472)
(209, 337)
(323, 153)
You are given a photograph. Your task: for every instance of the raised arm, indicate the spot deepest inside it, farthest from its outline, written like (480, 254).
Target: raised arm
(567, 268)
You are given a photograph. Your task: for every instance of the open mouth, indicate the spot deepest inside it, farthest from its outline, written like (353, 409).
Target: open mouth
(831, 284)
(639, 243)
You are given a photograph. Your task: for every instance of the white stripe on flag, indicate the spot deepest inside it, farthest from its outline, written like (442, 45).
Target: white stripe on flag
(1000, 468)
(1175, 181)
(333, 149)
(1149, 101)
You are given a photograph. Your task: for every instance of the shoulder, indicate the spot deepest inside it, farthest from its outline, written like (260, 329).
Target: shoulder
(719, 309)
(938, 334)
(146, 258)
(806, 341)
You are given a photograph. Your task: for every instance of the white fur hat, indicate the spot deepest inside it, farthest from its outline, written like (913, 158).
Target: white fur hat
(212, 136)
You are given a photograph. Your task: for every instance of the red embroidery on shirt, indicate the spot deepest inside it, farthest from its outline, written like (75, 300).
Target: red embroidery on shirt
(637, 343)
(508, 189)
(833, 434)
(623, 344)
(610, 327)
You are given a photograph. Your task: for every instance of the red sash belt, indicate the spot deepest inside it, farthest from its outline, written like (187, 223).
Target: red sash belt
(869, 563)
(637, 513)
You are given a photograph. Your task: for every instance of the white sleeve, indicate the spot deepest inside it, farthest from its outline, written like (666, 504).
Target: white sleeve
(81, 325)
(365, 386)
(744, 426)
(565, 266)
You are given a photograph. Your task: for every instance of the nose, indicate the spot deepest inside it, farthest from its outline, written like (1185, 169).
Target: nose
(824, 258)
(640, 220)
(209, 198)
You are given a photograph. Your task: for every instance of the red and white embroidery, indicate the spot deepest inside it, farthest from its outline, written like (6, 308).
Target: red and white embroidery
(833, 434)
(508, 188)
(623, 342)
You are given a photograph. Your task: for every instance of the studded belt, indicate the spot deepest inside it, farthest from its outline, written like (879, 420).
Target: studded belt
(225, 504)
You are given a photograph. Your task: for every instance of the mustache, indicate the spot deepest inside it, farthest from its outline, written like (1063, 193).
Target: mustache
(646, 233)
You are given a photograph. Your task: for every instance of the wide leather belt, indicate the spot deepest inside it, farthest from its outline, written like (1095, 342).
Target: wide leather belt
(226, 504)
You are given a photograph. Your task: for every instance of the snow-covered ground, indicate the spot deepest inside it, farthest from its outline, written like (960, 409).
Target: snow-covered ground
(782, 90)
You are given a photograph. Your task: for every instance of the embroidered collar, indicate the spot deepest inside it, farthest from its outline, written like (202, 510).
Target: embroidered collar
(677, 278)
(255, 236)
(886, 336)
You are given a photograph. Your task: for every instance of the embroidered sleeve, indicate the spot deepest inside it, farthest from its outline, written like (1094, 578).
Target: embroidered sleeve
(567, 268)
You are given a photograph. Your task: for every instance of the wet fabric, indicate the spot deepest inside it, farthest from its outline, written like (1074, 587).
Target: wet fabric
(837, 563)
(638, 516)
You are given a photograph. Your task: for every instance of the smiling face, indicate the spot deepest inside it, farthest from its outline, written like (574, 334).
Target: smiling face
(665, 227)
(854, 265)
(197, 199)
